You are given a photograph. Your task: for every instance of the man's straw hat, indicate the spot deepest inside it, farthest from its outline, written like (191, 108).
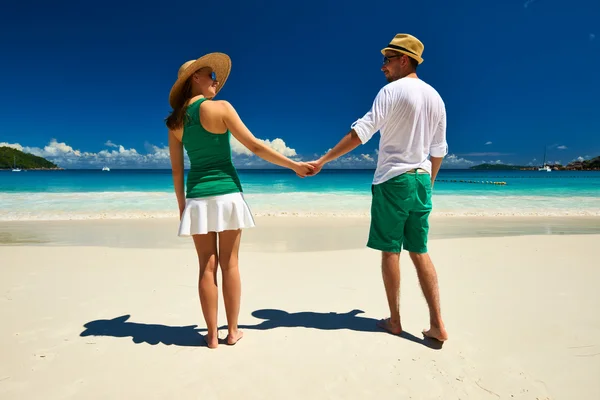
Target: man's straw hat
(406, 44)
(219, 63)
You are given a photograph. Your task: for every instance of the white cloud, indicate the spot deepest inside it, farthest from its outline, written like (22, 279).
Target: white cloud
(453, 161)
(117, 156)
(15, 146)
(157, 156)
(485, 154)
(488, 143)
(581, 158)
(562, 147)
(277, 145)
(66, 156)
(492, 162)
(354, 161)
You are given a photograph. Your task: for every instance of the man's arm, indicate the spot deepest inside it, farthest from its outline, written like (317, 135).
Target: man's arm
(362, 130)
(344, 146)
(436, 163)
(439, 148)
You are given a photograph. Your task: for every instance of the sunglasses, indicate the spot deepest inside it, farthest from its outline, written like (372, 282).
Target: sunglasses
(212, 75)
(387, 59)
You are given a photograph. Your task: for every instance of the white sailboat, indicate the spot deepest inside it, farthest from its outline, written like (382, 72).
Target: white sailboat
(545, 167)
(105, 169)
(15, 169)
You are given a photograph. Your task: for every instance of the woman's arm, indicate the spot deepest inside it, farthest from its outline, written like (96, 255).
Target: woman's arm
(176, 152)
(245, 137)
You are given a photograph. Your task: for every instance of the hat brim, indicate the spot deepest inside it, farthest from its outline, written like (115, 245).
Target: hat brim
(411, 55)
(220, 63)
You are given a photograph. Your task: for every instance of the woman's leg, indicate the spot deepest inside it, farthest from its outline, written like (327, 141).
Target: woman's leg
(206, 247)
(229, 244)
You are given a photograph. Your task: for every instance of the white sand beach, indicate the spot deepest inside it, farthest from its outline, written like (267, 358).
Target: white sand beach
(85, 318)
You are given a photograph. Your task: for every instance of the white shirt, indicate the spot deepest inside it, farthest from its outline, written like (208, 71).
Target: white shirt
(411, 117)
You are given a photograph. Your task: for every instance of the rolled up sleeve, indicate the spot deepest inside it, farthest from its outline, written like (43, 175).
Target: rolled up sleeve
(375, 118)
(439, 146)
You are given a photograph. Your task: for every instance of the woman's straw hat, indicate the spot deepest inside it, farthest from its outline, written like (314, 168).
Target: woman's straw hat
(406, 44)
(220, 64)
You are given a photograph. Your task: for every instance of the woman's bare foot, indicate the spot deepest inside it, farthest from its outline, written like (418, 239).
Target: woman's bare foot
(212, 341)
(389, 326)
(436, 333)
(234, 337)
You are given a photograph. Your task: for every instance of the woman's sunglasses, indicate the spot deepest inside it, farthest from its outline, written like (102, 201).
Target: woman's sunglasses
(212, 75)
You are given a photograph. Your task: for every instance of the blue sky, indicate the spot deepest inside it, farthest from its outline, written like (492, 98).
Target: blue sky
(86, 85)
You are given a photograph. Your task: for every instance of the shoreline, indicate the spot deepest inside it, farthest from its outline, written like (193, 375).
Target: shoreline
(277, 234)
(260, 210)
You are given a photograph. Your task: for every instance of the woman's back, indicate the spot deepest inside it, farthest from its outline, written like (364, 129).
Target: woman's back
(211, 170)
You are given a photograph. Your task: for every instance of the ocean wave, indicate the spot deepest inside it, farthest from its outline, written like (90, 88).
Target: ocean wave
(143, 205)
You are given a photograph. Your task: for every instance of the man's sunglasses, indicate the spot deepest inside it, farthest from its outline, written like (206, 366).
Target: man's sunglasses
(387, 59)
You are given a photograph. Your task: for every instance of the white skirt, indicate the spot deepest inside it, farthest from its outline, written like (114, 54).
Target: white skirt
(215, 214)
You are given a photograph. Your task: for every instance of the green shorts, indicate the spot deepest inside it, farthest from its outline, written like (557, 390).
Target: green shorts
(400, 213)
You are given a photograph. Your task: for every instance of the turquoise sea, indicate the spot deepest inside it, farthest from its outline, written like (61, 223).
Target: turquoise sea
(84, 194)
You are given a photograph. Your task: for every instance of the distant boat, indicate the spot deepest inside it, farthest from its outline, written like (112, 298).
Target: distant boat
(15, 169)
(105, 169)
(545, 167)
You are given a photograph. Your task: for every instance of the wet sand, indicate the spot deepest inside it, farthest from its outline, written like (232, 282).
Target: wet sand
(278, 234)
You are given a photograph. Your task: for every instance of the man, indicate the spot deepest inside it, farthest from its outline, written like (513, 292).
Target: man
(411, 118)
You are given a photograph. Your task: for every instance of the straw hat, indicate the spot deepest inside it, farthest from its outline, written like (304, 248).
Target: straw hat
(220, 63)
(406, 44)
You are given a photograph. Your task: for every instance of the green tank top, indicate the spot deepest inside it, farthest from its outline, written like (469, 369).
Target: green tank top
(211, 171)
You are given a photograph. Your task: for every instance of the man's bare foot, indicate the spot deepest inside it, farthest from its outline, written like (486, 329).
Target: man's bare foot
(387, 325)
(436, 333)
(234, 337)
(212, 341)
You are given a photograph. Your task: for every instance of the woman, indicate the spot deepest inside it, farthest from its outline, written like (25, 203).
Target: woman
(213, 203)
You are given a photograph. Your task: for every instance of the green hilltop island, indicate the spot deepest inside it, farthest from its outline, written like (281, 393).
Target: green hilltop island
(16, 160)
(586, 165)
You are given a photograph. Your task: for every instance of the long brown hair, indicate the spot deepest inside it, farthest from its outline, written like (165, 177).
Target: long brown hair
(177, 117)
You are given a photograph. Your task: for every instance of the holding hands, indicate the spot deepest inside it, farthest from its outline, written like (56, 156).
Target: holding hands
(347, 144)
(304, 169)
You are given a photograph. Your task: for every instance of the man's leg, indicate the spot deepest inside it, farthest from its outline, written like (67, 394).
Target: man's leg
(386, 235)
(390, 269)
(416, 232)
(429, 284)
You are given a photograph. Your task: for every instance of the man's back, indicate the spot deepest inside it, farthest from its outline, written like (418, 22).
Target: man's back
(413, 126)
(411, 117)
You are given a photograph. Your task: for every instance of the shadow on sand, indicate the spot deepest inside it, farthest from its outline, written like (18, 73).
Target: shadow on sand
(145, 333)
(191, 335)
(328, 321)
